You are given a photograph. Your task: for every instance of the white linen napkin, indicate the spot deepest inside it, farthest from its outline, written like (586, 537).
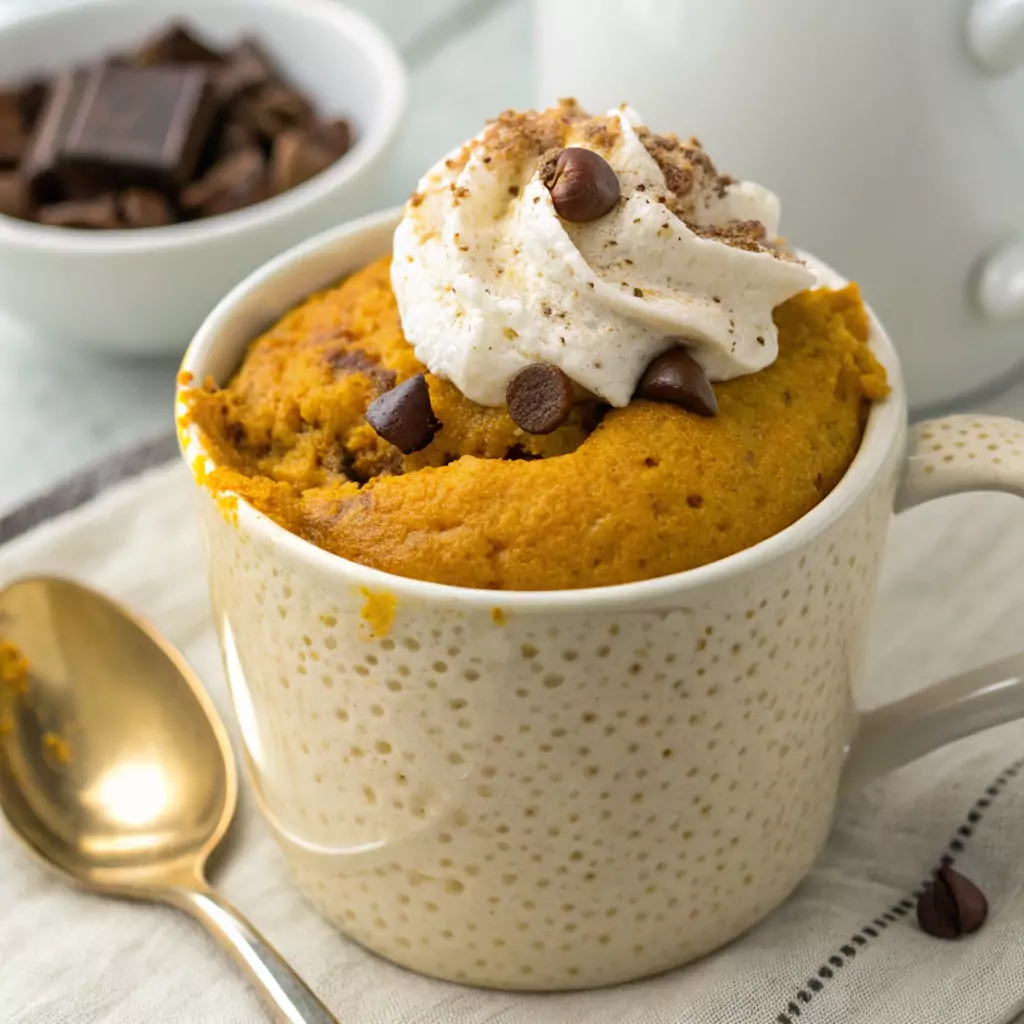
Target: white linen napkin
(846, 948)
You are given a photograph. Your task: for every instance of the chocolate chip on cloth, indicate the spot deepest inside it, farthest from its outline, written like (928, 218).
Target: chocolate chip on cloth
(539, 398)
(951, 905)
(584, 186)
(404, 417)
(676, 377)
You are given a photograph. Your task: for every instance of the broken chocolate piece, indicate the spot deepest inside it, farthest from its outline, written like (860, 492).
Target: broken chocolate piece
(235, 181)
(301, 153)
(676, 377)
(951, 905)
(13, 137)
(404, 416)
(234, 137)
(42, 166)
(247, 67)
(272, 109)
(144, 208)
(99, 213)
(176, 45)
(31, 100)
(141, 126)
(584, 186)
(539, 398)
(14, 200)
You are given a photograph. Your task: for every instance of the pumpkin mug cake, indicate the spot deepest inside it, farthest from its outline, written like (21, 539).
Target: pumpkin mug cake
(580, 358)
(589, 361)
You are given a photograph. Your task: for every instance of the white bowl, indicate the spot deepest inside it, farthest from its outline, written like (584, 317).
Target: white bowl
(146, 291)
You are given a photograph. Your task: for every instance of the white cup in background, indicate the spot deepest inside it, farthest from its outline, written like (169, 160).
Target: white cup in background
(893, 130)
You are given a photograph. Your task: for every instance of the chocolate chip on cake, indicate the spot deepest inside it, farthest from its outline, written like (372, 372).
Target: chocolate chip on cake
(539, 398)
(584, 186)
(951, 905)
(676, 377)
(404, 416)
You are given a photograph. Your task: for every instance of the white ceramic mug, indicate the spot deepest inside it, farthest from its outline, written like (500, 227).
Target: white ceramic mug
(892, 129)
(566, 789)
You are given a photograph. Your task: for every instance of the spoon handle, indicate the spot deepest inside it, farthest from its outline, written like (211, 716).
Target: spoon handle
(282, 989)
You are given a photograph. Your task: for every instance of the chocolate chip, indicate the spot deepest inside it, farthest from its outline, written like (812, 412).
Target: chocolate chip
(98, 213)
(539, 398)
(143, 208)
(235, 181)
(951, 905)
(14, 201)
(584, 186)
(676, 377)
(404, 417)
(301, 153)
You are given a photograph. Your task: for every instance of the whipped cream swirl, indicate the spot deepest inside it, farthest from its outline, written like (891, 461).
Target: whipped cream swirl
(489, 278)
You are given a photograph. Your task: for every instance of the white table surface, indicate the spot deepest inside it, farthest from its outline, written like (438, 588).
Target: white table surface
(61, 411)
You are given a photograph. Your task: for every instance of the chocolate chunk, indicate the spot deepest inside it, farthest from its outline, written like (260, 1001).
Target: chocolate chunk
(539, 398)
(301, 153)
(141, 126)
(100, 212)
(13, 136)
(144, 208)
(176, 45)
(235, 181)
(42, 165)
(584, 186)
(14, 200)
(32, 99)
(235, 136)
(404, 416)
(247, 68)
(676, 377)
(951, 905)
(272, 109)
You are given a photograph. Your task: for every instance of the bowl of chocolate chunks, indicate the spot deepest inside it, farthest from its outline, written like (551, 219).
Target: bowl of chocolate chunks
(154, 152)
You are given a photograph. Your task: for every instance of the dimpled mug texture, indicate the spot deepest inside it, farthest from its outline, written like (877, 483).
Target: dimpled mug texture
(547, 798)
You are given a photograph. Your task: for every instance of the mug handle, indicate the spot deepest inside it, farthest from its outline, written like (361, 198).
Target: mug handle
(947, 456)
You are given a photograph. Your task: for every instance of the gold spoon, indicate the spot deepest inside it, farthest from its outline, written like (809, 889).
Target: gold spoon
(116, 770)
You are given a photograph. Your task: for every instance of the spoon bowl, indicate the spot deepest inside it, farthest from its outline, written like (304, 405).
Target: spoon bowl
(115, 767)
(117, 772)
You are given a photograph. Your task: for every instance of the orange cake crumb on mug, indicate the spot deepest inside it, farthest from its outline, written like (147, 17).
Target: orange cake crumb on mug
(611, 496)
